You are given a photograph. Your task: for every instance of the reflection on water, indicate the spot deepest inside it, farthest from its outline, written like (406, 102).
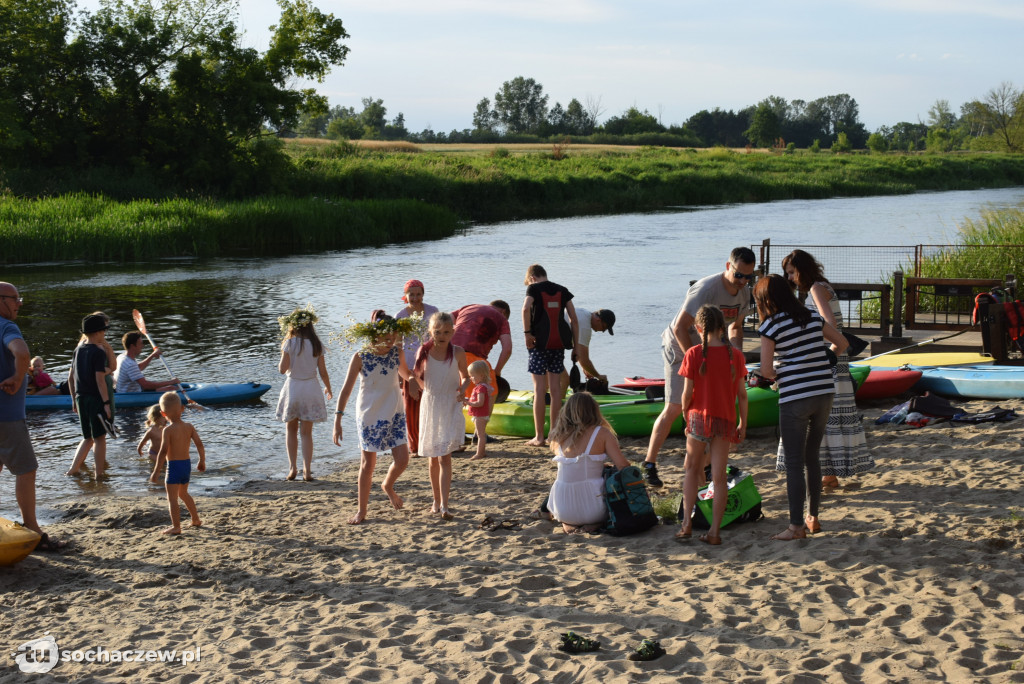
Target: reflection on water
(217, 320)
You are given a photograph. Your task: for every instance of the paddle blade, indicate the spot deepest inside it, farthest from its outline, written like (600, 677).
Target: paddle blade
(140, 322)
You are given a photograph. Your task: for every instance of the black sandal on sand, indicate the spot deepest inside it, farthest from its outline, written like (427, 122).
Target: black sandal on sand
(48, 545)
(649, 649)
(574, 643)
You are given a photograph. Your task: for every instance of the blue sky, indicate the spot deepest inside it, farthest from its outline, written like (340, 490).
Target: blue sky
(434, 60)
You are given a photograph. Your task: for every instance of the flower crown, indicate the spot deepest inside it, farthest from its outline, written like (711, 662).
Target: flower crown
(298, 319)
(365, 333)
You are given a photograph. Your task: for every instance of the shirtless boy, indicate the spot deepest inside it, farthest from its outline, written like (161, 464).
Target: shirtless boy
(174, 450)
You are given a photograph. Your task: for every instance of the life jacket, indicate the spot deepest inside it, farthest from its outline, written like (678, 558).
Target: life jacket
(551, 329)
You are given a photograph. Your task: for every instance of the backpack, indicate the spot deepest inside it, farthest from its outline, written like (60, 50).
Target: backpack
(629, 507)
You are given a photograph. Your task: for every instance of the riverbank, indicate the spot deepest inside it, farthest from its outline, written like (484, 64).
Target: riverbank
(339, 196)
(916, 575)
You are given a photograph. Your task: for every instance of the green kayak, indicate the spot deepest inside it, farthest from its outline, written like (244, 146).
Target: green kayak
(630, 415)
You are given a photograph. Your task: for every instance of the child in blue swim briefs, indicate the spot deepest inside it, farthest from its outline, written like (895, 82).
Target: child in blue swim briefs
(174, 449)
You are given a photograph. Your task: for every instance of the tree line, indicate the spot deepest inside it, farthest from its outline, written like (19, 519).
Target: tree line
(519, 112)
(166, 90)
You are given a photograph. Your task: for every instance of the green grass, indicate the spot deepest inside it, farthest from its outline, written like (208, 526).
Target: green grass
(394, 193)
(667, 507)
(97, 228)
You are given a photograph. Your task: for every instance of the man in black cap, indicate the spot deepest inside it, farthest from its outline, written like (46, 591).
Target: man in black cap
(599, 321)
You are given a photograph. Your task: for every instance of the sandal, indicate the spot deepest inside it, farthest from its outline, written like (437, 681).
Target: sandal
(574, 643)
(649, 649)
(709, 539)
(49, 545)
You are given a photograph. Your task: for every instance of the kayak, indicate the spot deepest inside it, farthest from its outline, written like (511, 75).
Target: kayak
(886, 382)
(201, 393)
(16, 542)
(921, 359)
(975, 382)
(629, 415)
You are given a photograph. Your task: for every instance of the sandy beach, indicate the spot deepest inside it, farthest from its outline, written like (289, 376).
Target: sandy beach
(915, 577)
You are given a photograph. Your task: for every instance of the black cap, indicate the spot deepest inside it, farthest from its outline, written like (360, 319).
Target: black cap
(607, 317)
(93, 323)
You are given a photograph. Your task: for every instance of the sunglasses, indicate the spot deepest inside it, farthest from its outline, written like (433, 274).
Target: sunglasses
(743, 276)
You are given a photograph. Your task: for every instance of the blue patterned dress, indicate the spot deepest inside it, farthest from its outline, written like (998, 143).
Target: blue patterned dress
(379, 411)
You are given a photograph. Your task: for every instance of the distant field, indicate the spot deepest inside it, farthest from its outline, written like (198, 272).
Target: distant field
(485, 149)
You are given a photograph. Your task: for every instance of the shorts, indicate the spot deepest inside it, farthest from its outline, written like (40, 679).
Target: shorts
(543, 361)
(179, 472)
(672, 356)
(89, 409)
(16, 452)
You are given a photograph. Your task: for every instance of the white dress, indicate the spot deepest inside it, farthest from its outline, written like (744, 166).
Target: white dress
(442, 425)
(301, 395)
(577, 496)
(379, 411)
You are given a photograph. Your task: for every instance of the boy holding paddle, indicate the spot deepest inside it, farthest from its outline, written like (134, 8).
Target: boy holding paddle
(174, 449)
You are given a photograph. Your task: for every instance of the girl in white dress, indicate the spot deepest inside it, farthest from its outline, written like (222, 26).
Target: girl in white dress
(582, 441)
(380, 416)
(441, 368)
(301, 403)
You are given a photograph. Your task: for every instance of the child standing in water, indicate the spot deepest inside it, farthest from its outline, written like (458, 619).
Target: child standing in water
(177, 437)
(480, 403)
(441, 367)
(301, 403)
(714, 379)
(155, 424)
(380, 415)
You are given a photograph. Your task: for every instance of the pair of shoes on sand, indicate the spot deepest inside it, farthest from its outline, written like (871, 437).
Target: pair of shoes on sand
(570, 642)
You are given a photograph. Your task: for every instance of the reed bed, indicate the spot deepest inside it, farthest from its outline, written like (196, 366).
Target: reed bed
(79, 226)
(991, 246)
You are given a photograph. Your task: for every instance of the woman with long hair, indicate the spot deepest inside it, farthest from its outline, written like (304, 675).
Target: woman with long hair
(792, 353)
(844, 451)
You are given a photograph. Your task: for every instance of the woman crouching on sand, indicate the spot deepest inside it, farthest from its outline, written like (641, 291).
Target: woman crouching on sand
(793, 354)
(582, 441)
(380, 415)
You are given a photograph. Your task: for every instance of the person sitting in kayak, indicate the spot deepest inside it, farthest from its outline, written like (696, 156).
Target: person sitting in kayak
(40, 382)
(129, 377)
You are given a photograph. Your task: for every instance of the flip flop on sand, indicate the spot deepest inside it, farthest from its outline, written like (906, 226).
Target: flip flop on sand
(574, 643)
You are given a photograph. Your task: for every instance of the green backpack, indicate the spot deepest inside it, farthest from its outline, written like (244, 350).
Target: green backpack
(629, 507)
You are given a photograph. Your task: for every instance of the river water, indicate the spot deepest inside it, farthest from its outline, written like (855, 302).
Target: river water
(216, 319)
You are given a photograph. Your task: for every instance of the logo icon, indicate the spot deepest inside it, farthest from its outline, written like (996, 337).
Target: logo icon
(38, 655)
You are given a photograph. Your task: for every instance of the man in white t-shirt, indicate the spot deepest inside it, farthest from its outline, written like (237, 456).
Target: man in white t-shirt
(129, 377)
(730, 292)
(601, 320)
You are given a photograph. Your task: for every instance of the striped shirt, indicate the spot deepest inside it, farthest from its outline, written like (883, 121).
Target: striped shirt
(800, 359)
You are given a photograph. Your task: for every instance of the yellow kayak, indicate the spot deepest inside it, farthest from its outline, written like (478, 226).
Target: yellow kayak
(925, 359)
(16, 542)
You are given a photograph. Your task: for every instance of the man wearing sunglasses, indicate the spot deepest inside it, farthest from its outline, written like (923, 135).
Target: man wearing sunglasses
(16, 454)
(730, 292)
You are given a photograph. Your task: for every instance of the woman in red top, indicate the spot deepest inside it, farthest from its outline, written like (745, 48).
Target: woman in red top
(714, 379)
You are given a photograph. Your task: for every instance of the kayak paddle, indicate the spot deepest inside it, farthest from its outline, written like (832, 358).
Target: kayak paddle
(140, 323)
